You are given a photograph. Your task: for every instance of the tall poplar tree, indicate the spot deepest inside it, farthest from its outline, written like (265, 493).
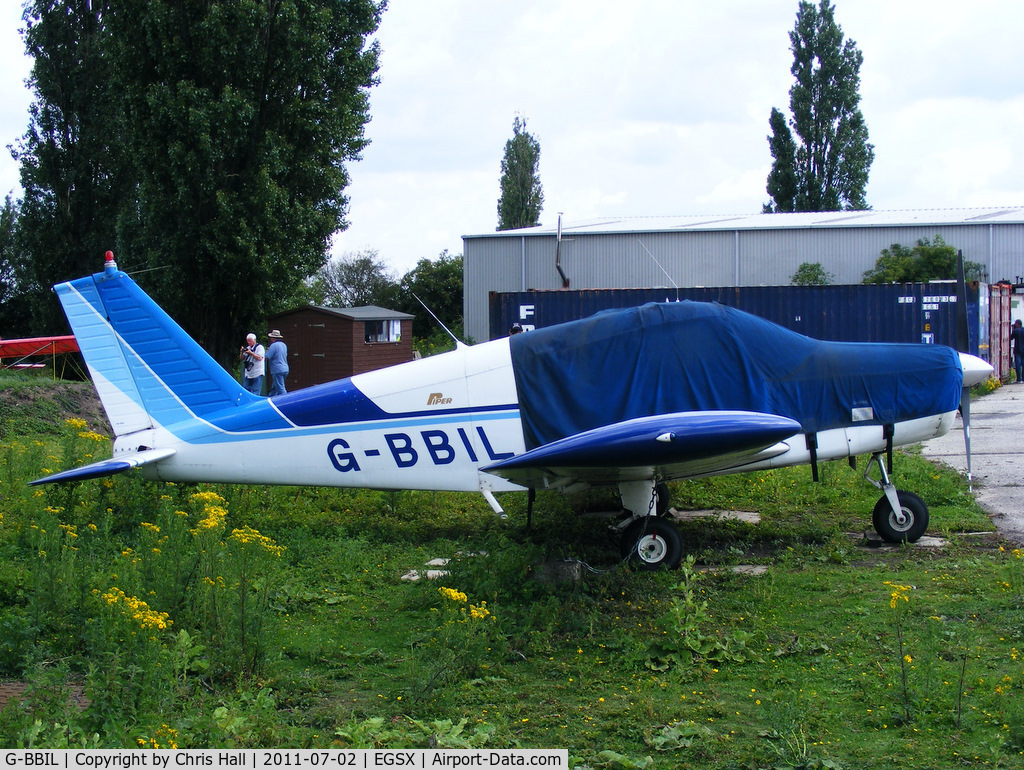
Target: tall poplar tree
(522, 196)
(205, 141)
(241, 118)
(71, 161)
(825, 166)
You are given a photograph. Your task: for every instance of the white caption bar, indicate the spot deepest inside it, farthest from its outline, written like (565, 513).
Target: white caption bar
(454, 759)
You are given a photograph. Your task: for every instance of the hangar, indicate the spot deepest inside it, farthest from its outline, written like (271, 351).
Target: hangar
(742, 250)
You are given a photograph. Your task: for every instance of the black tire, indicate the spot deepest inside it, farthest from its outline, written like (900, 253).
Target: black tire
(664, 499)
(911, 530)
(650, 543)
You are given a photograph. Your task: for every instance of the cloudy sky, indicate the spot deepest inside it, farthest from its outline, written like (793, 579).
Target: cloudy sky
(658, 107)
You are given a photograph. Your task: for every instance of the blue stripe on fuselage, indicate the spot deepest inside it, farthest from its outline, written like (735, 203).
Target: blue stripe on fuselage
(336, 407)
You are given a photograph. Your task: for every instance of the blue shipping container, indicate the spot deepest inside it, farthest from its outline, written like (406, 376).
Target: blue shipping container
(910, 312)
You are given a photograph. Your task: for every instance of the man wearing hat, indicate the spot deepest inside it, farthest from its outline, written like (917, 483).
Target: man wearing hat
(277, 363)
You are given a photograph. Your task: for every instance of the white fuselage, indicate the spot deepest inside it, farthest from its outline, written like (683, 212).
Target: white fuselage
(442, 418)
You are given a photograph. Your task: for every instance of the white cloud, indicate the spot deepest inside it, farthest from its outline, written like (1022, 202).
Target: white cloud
(14, 70)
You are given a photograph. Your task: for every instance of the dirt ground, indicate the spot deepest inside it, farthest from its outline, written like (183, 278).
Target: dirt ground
(15, 691)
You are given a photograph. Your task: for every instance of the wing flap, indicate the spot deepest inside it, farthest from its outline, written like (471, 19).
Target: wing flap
(106, 467)
(668, 446)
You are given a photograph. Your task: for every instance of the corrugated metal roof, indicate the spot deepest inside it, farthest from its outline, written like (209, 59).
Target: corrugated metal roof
(804, 220)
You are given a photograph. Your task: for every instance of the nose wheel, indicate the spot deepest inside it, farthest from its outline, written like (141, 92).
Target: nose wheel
(899, 516)
(650, 543)
(905, 526)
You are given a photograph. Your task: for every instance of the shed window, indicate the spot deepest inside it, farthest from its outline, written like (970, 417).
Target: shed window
(383, 331)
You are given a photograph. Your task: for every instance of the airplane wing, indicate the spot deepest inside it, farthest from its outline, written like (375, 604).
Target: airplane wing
(667, 446)
(107, 467)
(30, 347)
(37, 346)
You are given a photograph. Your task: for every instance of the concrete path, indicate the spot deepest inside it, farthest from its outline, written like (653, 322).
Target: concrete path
(997, 456)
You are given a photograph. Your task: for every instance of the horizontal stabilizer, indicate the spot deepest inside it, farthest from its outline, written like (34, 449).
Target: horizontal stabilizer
(705, 439)
(106, 467)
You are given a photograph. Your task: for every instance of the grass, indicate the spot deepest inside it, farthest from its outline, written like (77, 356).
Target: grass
(305, 634)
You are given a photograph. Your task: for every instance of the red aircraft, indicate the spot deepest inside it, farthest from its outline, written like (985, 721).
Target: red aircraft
(24, 349)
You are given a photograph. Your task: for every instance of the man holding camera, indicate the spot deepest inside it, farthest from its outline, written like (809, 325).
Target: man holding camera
(252, 355)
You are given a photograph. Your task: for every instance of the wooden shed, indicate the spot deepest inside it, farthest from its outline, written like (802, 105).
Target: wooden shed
(327, 343)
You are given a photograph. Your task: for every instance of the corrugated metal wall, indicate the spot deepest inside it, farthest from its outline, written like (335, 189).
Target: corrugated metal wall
(752, 257)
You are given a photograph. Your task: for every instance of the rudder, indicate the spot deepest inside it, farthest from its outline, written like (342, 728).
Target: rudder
(146, 369)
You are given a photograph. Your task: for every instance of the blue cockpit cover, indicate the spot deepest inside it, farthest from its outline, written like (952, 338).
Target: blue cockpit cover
(700, 356)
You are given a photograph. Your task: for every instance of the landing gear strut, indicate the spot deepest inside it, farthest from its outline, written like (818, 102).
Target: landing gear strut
(899, 516)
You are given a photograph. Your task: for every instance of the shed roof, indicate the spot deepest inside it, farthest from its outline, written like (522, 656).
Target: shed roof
(361, 313)
(802, 220)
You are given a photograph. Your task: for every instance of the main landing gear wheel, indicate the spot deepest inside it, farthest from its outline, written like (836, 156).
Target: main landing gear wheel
(915, 518)
(651, 543)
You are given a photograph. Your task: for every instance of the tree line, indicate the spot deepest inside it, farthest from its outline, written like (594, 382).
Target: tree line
(431, 289)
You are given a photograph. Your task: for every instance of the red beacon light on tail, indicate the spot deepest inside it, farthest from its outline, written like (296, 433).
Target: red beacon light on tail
(109, 265)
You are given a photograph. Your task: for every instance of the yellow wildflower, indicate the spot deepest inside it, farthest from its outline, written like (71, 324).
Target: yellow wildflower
(248, 535)
(214, 518)
(208, 497)
(453, 594)
(137, 610)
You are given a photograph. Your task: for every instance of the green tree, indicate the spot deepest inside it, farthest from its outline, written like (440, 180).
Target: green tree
(782, 179)
(243, 116)
(205, 141)
(811, 274)
(356, 279)
(825, 168)
(364, 279)
(15, 303)
(70, 158)
(522, 196)
(210, 138)
(8, 251)
(438, 284)
(926, 261)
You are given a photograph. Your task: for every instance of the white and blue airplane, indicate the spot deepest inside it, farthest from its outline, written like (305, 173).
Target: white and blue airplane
(632, 398)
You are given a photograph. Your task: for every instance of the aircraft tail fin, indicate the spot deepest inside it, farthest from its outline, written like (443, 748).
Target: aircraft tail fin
(146, 369)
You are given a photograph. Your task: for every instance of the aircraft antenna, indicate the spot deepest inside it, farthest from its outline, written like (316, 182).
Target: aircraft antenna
(458, 343)
(661, 267)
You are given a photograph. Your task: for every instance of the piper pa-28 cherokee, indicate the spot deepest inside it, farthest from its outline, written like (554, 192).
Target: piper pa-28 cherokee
(633, 398)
